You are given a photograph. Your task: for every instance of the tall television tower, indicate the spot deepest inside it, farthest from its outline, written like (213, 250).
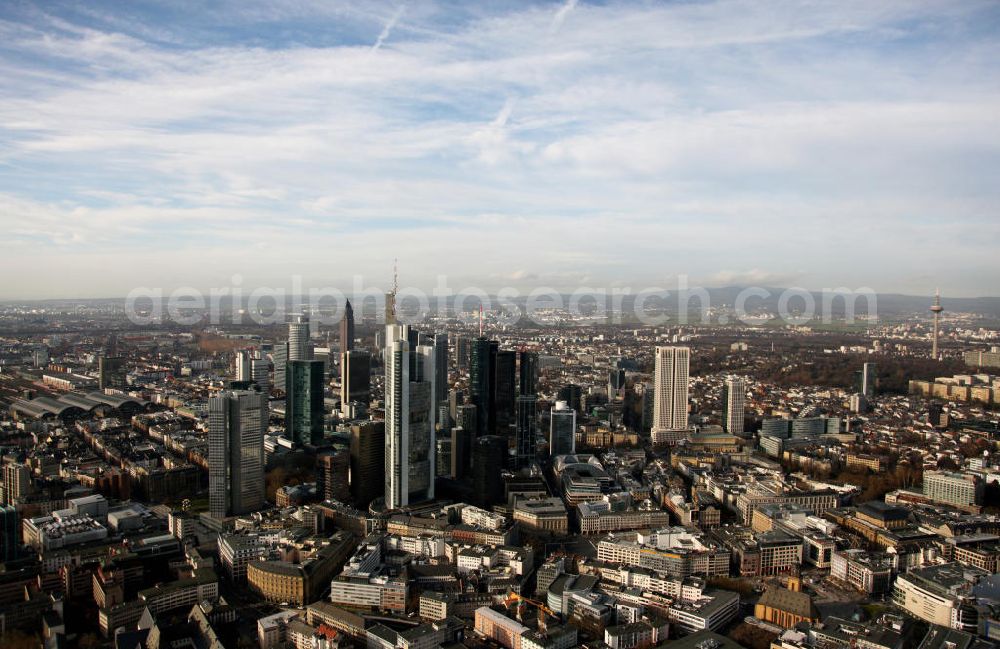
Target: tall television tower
(936, 309)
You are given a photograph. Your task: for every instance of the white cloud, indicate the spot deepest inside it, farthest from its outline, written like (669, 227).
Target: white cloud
(642, 140)
(752, 277)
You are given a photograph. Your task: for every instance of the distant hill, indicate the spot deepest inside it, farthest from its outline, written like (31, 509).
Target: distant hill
(889, 305)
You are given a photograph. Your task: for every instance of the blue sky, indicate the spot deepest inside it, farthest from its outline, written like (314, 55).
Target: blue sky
(817, 144)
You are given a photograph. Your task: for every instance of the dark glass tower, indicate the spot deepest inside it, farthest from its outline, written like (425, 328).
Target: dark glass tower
(304, 401)
(461, 447)
(440, 368)
(528, 372)
(355, 376)
(10, 533)
(332, 471)
(488, 457)
(413, 336)
(562, 430)
(347, 328)
(506, 386)
(111, 372)
(525, 431)
(466, 417)
(367, 462)
(482, 384)
(616, 382)
(572, 394)
(463, 353)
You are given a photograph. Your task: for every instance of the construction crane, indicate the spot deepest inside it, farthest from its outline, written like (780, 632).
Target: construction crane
(513, 597)
(543, 610)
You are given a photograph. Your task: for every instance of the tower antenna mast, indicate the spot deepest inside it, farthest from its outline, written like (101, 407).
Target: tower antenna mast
(936, 309)
(390, 297)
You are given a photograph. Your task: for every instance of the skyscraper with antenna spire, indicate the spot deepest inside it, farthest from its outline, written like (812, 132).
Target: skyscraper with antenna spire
(347, 328)
(936, 309)
(410, 413)
(390, 297)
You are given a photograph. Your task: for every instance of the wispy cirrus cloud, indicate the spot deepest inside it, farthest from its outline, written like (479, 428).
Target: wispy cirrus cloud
(384, 34)
(565, 139)
(560, 17)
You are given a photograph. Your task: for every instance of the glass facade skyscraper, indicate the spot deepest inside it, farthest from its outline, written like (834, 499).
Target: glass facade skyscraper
(347, 329)
(304, 410)
(355, 376)
(488, 455)
(237, 420)
(409, 420)
(367, 462)
(562, 430)
(482, 384)
(525, 430)
(506, 391)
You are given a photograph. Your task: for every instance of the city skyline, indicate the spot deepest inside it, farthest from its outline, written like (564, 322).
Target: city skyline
(822, 145)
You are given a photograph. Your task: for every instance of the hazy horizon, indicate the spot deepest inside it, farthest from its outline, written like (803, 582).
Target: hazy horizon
(379, 289)
(561, 144)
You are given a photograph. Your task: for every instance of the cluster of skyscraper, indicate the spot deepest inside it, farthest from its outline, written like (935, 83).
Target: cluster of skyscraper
(427, 424)
(428, 430)
(418, 409)
(503, 387)
(239, 416)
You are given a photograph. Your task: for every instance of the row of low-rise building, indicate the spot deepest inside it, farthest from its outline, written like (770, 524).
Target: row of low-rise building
(974, 388)
(942, 595)
(304, 571)
(673, 551)
(600, 516)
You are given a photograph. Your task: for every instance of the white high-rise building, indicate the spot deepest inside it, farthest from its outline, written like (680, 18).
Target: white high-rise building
(868, 378)
(670, 405)
(961, 489)
(409, 420)
(244, 357)
(237, 420)
(300, 348)
(251, 367)
(733, 401)
(397, 439)
(245, 364)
